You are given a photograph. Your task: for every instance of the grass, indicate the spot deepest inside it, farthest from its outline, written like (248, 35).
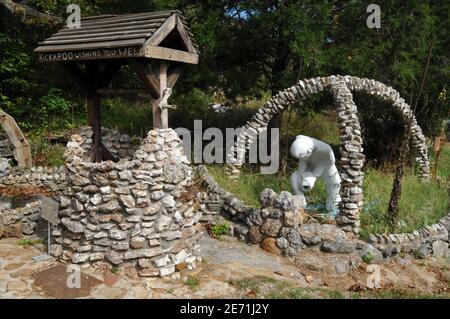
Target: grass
(220, 229)
(25, 242)
(270, 288)
(46, 154)
(421, 204)
(444, 163)
(192, 282)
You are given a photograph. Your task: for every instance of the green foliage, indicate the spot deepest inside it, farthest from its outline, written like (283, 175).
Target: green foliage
(46, 154)
(192, 282)
(220, 229)
(25, 242)
(133, 118)
(367, 258)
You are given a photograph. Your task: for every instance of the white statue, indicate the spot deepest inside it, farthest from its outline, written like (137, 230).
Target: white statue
(315, 160)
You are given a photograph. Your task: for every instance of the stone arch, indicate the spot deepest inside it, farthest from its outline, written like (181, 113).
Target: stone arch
(22, 150)
(352, 157)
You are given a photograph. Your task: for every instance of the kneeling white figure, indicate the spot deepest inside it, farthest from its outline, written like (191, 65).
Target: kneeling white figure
(315, 160)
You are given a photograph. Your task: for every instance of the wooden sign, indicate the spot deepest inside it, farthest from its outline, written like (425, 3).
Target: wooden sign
(106, 53)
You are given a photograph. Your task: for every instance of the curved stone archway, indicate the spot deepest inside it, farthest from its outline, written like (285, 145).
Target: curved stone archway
(352, 157)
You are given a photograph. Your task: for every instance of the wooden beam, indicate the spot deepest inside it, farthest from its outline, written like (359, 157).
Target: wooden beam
(161, 53)
(121, 92)
(163, 31)
(76, 75)
(173, 74)
(93, 107)
(22, 150)
(163, 67)
(185, 36)
(111, 70)
(147, 77)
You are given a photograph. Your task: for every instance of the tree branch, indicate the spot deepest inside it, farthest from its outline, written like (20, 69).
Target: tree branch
(29, 15)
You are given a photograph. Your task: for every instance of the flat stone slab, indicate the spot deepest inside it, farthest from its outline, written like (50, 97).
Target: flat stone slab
(53, 281)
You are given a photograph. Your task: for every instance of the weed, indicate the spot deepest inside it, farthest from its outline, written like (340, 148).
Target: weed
(192, 282)
(25, 242)
(367, 257)
(219, 229)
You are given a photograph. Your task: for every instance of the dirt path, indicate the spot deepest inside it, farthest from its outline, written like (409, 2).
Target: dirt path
(229, 269)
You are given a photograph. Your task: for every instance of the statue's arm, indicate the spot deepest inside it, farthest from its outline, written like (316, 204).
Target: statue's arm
(323, 161)
(302, 165)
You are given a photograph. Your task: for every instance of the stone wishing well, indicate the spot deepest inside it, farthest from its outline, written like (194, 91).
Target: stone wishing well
(137, 211)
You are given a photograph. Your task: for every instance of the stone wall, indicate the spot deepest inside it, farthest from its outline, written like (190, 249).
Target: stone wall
(422, 242)
(6, 149)
(120, 145)
(15, 222)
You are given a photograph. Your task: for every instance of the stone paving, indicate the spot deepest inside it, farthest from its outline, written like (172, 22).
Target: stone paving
(223, 261)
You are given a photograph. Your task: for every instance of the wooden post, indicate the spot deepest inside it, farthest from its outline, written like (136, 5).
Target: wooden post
(162, 86)
(93, 108)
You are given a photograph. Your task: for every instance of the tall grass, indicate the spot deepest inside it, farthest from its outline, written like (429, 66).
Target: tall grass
(421, 203)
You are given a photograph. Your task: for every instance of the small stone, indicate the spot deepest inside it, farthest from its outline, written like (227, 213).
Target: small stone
(168, 202)
(105, 190)
(268, 197)
(254, 235)
(73, 226)
(120, 245)
(96, 199)
(180, 257)
(161, 262)
(118, 234)
(80, 258)
(339, 246)
(271, 227)
(270, 245)
(97, 256)
(165, 271)
(149, 272)
(126, 174)
(16, 285)
(440, 249)
(291, 218)
(172, 235)
(127, 200)
(136, 244)
(111, 207)
(114, 257)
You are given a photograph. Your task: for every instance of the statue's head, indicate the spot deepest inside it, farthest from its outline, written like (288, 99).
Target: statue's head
(302, 147)
(307, 182)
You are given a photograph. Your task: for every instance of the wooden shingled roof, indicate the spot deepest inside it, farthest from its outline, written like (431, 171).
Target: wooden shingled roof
(160, 35)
